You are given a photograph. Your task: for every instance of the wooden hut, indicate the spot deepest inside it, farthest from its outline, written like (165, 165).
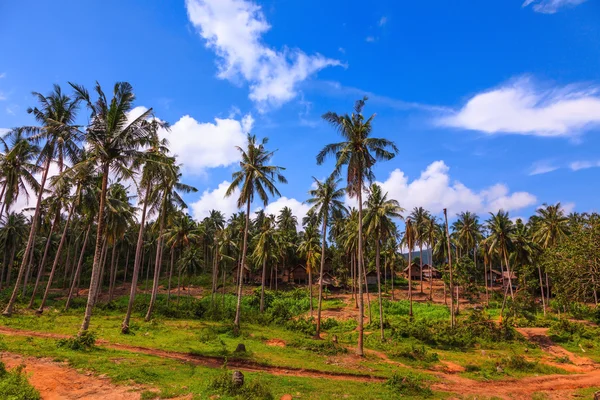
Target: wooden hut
(299, 275)
(430, 272)
(415, 271)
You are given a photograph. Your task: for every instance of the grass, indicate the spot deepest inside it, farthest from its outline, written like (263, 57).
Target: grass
(15, 386)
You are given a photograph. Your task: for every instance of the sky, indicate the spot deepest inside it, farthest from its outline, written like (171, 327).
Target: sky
(492, 104)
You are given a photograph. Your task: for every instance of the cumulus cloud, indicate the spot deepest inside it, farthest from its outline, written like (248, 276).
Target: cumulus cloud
(542, 167)
(234, 29)
(578, 165)
(299, 209)
(551, 6)
(520, 107)
(434, 190)
(215, 200)
(203, 145)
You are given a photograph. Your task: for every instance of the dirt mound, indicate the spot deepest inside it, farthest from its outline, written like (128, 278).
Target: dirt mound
(56, 381)
(275, 343)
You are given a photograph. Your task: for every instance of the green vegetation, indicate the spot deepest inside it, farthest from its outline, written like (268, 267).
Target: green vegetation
(14, 385)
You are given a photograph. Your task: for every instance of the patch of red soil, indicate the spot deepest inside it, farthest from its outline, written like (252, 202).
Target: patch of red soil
(56, 381)
(275, 343)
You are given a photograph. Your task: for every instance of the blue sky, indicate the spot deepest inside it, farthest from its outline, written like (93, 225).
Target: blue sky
(493, 104)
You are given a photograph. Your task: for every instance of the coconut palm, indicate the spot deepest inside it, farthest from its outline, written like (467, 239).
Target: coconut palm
(432, 233)
(114, 142)
(359, 152)
(326, 200)
(265, 250)
(309, 248)
(419, 218)
(12, 236)
(501, 230)
(409, 239)
(379, 215)
(17, 169)
(169, 187)
(56, 114)
(256, 177)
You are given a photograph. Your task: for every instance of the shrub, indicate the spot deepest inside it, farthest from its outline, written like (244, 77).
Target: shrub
(84, 341)
(255, 390)
(408, 385)
(416, 353)
(14, 385)
(324, 347)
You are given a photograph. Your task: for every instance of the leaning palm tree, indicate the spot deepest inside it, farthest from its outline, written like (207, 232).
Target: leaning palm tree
(379, 223)
(114, 141)
(56, 115)
(255, 177)
(326, 200)
(359, 152)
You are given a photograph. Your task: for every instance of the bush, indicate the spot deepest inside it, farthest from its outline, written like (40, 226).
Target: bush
(323, 347)
(14, 385)
(408, 385)
(416, 353)
(84, 341)
(255, 390)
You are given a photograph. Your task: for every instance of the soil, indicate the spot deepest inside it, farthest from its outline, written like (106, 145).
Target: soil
(56, 381)
(275, 343)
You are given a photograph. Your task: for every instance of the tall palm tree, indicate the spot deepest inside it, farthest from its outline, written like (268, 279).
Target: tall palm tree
(419, 218)
(168, 186)
(409, 239)
(215, 223)
(309, 248)
(359, 152)
(501, 230)
(56, 114)
(326, 200)
(265, 250)
(12, 236)
(379, 223)
(432, 234)
(114, 142)
(255, 177)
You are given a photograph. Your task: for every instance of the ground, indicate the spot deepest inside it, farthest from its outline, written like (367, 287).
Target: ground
(179, 357)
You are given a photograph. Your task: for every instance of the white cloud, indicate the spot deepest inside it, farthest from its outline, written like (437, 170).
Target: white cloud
(568, 208)
(234, 29)
(542, 167)
(215, 200)
(299, 209)
(551, 6)
(521, 108)
(370, 39)
(203, 145)
(577, 165)
(2, 75)
(382, 21)
(434, 190)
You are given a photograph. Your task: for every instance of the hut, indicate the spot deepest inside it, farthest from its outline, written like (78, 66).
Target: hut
(429, 272)
(329, 280)
(415, 271)
(299, 275)
(372, 278)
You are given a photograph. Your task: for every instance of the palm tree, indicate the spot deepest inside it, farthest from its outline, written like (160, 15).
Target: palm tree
(379, 223)
(255, 177)
(56, 115)
(432, 232)
(12, 235)
(114, 142)
(409, 238)
(550, 227)
(309, 248)
(501, 230)
(327, 199)
(359, 152)
(17, 169)
(264, 250)
(419, 217)
(215, 223)
(168, 185)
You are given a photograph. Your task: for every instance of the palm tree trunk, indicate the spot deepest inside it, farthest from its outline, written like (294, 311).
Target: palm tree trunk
(512, 295)
(103, 265)
(431, 269)
(43, 262)
(29, 248)
(262, 286)
(393, 271)
(10, 265)
(158, 260)
(78, 269)
(3, 199)
(170, 275)
(421, 262)
(310, 297)
(485, 280)
(238, 307)
(451, 283)
(56, 259)
(542, 289)
(321, 270)
(368, 296)
(361, 303)
(113, 273)
(377, 255)
(97, 254)
(126, 266)
(410, 299)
